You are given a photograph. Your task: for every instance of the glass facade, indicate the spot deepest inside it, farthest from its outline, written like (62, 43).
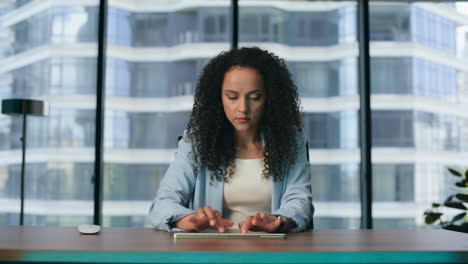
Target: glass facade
(136, 129)
(59, 157)
(152, 79)
(55, 26)
(155, 52)
(334, 26)
(329, 78)
(418, 122)
(196, 24)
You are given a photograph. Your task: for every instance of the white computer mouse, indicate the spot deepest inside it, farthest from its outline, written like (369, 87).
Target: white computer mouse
(89, 229)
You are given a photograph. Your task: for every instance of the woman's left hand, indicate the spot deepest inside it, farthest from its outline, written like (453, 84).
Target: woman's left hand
(260, 222)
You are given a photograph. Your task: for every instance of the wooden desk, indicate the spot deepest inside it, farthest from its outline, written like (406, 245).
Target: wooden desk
(143, 245)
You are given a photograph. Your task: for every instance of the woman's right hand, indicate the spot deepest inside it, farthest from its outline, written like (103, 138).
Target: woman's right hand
(204, 218)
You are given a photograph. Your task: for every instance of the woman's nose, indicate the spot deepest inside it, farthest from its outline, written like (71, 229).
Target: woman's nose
(243, 106)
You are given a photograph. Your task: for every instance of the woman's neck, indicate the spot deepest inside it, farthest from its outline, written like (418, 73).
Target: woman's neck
(248, 146)
(246, 139)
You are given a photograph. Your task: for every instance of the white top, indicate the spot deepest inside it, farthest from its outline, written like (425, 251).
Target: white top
(247, 192)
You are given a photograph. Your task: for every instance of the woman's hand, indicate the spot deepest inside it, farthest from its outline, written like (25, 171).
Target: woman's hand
(260, 222)
(204, 218)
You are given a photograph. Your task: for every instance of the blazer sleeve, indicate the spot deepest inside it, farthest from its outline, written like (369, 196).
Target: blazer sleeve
(296, 201)
(175, 190)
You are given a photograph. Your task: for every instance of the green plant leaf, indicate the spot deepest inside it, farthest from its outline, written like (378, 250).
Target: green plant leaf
(458, 217)
(457, 228)
(454, 172)
(435, 205)
(466, 174)
(455, 205)
(462, 197)
(431, 217)
(449, 199)
(462, 184)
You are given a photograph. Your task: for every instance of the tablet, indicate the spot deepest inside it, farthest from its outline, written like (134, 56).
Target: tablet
(229, 236)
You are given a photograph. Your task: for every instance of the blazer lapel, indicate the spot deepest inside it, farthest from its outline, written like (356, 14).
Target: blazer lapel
(214, 193)
(276, 190)
(276, 187)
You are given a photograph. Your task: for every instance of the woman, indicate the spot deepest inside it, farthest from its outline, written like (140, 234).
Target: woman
(243, 160)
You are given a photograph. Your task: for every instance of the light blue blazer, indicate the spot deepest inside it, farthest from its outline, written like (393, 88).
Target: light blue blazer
(181, 193)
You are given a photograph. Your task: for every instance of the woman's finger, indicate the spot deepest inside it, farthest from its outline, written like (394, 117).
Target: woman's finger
(219, 221)
(240, 225)
(200, 220)
(201, 214)
(228, 223)
(247, 224)
(264, 217)
(211, 217)
(257, 220)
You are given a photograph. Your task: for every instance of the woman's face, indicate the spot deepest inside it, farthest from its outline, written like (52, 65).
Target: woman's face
(243, 97)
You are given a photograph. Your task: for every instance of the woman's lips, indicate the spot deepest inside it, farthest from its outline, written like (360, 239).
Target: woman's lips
(243, 120)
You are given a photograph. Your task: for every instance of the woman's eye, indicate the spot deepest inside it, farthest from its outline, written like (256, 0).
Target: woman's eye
(256, 98)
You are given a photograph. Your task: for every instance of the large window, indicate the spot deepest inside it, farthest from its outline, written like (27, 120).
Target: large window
(153, 62)
(49, 55)
(418, 68)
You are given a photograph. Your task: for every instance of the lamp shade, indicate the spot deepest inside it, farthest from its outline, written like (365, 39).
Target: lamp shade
(24, 106)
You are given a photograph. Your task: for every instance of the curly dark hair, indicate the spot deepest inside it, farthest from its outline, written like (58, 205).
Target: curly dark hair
(211, 132)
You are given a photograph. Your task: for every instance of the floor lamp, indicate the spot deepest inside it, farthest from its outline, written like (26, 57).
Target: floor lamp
(24, 107)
